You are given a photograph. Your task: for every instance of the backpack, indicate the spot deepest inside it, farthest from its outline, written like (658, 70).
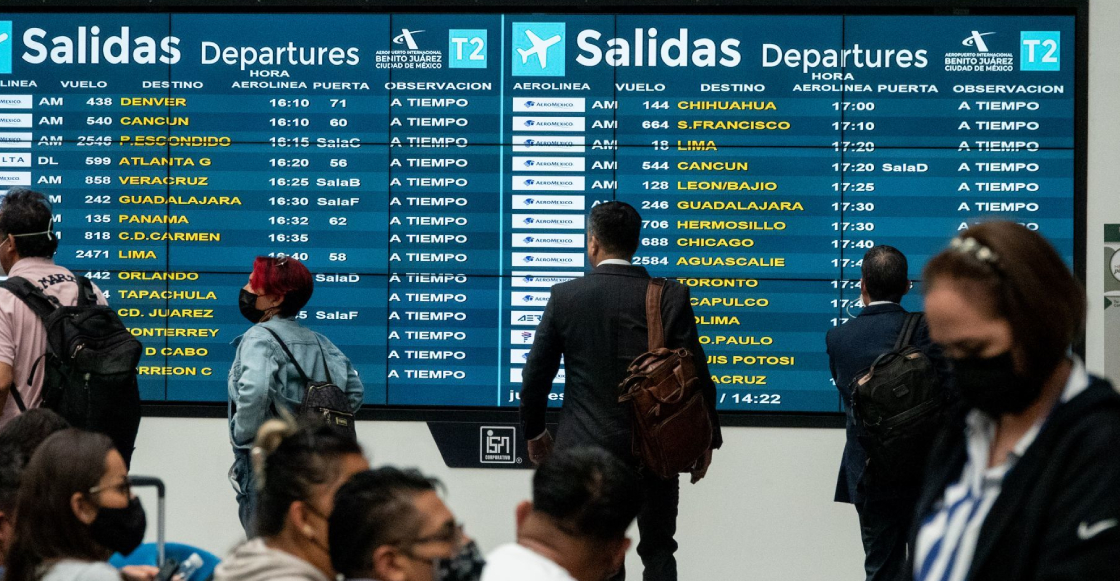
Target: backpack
(899, 404)
(671, 428)
(322, 402)
(89, 369)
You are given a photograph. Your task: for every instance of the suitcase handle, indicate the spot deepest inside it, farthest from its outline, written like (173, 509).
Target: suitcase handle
(161, 491)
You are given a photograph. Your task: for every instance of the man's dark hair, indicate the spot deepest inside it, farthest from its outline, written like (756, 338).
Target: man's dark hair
(18, 441)
(885, 274)
(617, 226)
(589, 492)
(24, 211)
(374, 508)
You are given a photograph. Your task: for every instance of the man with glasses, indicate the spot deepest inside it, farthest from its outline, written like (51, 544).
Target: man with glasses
(390, 524)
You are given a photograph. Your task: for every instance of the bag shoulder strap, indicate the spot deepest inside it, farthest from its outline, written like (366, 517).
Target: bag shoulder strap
(909, 327)
(326, 364)
(39, 302)
(653, 313)
(288, 352)
(87, 297)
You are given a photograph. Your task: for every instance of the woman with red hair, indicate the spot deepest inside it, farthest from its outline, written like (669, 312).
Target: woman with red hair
(265, 376)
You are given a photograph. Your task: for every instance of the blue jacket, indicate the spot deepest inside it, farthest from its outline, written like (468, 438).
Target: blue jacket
(263, 375)
(853, 347)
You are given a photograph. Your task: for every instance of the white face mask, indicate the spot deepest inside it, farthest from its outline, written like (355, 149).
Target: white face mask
(49, 232)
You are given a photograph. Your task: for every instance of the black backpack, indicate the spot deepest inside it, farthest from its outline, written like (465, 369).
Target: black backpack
(323, 401)
(899, 405)
(89, 372)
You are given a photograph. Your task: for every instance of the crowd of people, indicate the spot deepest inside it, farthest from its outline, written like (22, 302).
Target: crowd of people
(978, 447)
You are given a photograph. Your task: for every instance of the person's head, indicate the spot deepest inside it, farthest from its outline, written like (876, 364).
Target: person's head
(884, 275)
(390, 524)
(277, 286)
(26, 227)
(1005, 308)
(18, 440)
(587, 498)
(74, 502)
(298, 470)
(613, 231)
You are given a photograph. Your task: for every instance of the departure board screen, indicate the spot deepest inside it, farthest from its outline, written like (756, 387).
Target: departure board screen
(434, 172)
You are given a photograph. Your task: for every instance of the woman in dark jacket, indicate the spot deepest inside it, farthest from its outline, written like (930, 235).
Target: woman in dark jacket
(1025, 484)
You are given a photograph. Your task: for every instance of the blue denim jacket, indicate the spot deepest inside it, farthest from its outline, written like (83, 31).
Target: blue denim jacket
(262, 374)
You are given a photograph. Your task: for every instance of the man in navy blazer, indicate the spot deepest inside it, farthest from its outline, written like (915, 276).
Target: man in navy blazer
(885, 512)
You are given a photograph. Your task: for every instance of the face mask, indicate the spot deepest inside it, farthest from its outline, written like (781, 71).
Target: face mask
(465, 566)
(247, 302)
(120, 529)
(992, 386)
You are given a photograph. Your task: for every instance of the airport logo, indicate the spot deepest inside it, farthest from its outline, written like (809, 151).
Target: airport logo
(410, 56)
(549, 163)
(497, 445)
(549, 104)
(542, 279)
(21, 140)
(548, 240)
(549, 123)
(547, 221)
(15, 101)
(559, 259)
(976, 39)
(405, 38)
(540, 46)
(529, 299)
(6, 42)
(466, 48)
(525, 318)
(516, 372)
(1040, 50)
(522, 202)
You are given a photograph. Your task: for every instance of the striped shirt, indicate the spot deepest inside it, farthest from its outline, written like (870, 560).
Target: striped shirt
(948, 537)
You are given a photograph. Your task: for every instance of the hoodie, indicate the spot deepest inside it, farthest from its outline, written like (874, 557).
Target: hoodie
(255, 561)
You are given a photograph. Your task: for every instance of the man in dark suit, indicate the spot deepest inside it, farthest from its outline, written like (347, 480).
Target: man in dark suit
(885, 511)
(598, 325)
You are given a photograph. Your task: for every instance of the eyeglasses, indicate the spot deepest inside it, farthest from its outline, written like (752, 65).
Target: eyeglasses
(451, 534)
(124, 488)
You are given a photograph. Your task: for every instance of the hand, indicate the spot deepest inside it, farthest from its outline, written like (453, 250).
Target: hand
(139, 572)
(700, 470)
(540, 448)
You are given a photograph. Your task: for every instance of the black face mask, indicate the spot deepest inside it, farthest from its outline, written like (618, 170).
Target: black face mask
(465, 566)
(120, 529)
(991, 385)
(247, 302)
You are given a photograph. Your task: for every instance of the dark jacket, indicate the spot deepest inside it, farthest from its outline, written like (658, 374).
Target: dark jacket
(1066, 483)
(598, 324)
(853, 347)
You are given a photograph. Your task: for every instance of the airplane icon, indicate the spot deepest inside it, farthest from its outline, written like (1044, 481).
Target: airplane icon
(540, 48)
(3, 36)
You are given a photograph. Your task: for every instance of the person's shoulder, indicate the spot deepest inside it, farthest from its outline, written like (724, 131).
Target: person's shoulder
(513, 562)
(71, 570)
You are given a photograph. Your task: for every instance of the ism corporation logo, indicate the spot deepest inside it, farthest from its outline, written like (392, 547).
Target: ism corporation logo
(1040, 50)
(539, 48)
(6, 43)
